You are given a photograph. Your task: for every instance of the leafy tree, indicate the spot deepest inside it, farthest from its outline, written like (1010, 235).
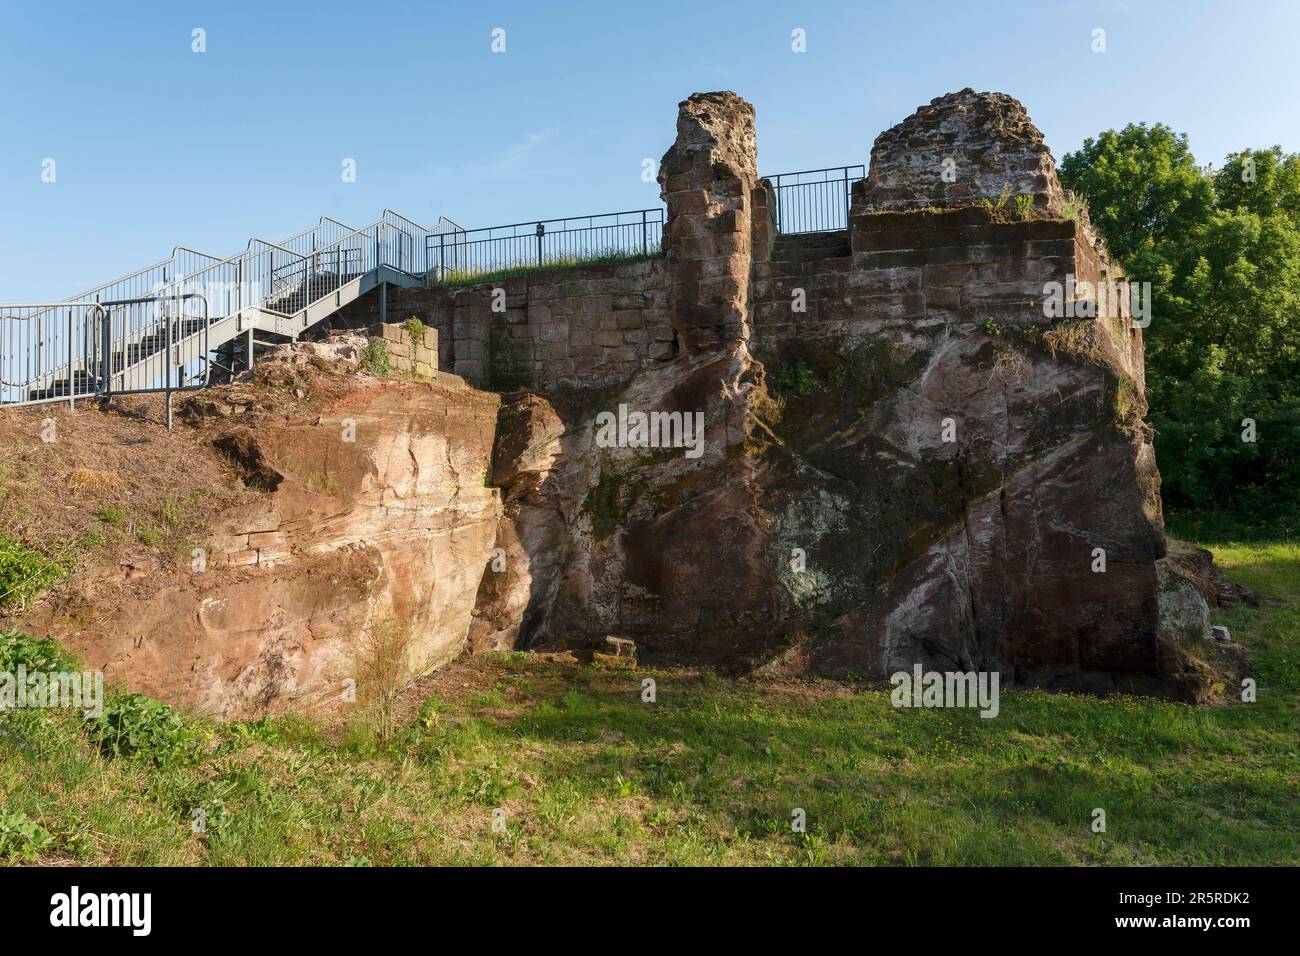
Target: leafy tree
(1222, 252)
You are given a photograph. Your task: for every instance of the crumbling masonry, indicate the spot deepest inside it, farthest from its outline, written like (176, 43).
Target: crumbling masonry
(944, 462)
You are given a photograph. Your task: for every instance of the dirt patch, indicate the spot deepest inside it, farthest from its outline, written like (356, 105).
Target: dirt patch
(95, 484)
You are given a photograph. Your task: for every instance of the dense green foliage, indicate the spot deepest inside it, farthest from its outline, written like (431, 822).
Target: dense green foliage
(1221, 250)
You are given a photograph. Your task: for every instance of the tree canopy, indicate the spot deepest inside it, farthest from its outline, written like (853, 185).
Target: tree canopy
(1221, 249)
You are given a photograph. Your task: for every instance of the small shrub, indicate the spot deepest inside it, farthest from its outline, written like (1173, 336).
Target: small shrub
(375, 357)
(170, 513)
(381, 669)
(1072, 205)
(21, 837)
(1128, 403)
(1023, 205)
(133, 725)
(796, 377)
(110, 515)
(32, 653)
(24, 572)
(999, 204)
(1077, 339)
(415, 329)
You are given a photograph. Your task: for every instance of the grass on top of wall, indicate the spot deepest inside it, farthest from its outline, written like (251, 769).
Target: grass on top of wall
(471, 277)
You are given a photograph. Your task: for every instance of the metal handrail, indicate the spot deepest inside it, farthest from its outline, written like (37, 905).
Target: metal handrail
(170, 342)
(33, 351)
(534, 222)
(817, 205)
(263, 274)
(531, 245)
(826, 169)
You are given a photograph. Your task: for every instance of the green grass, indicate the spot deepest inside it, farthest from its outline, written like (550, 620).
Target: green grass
(468, 277)
(25, 572)
(1213, 528)
(709, 774)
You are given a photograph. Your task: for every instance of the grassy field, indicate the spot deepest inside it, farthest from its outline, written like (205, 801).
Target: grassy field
(710, 773)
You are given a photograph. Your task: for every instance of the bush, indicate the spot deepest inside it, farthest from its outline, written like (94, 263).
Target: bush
(133, 725)
(375, 357)
(33, 653)
(796, 377)
(24, 572)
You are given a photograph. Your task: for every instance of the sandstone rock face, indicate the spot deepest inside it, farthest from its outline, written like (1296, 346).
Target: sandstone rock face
(706, 179)
(960, 148)
(923, 468)
(374, 528)
(1206, 670)
(653, 543)
(520, 579)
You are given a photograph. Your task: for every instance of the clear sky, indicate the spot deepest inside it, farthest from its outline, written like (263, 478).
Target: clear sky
(156, 145)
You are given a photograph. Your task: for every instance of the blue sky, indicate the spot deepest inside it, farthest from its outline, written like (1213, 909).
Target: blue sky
(156, 145)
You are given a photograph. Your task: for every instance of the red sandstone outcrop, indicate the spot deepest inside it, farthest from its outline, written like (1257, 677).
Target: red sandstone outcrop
(367, 542)
(924, 468)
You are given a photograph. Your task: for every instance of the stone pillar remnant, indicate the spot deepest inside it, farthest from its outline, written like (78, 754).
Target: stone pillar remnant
(706, 179)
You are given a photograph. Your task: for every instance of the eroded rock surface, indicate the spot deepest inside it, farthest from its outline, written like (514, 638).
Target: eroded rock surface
(923, 468)
(706, 178)
(961, 148)
(365, 549)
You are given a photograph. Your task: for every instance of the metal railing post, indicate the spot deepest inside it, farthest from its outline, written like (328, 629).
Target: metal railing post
(541, 231)
(848, 197)
(167, 366)
(72, 392)
(107, 338)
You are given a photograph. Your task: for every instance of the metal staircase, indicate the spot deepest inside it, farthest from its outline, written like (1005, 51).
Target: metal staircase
(159, 329)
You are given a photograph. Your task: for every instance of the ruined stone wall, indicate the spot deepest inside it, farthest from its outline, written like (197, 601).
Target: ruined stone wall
(707, 179)
(931, 312)
(945, 457)
(585, 327)
(960, 148)
(926, 269)
(409, 354)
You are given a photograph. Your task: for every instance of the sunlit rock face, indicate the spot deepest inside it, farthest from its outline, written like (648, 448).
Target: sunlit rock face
(919, 463)
(359, 559)
(920, 466)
